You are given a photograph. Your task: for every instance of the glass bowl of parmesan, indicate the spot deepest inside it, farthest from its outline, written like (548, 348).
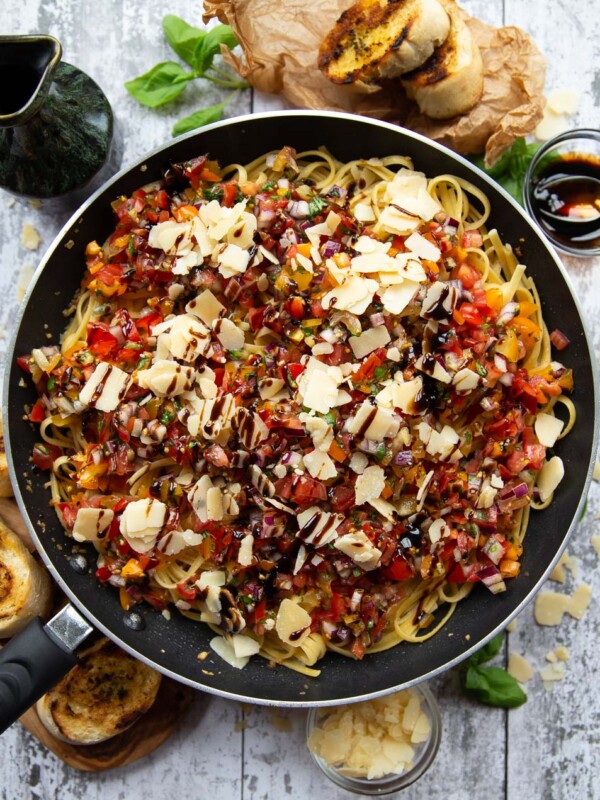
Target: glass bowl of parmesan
(379, 746)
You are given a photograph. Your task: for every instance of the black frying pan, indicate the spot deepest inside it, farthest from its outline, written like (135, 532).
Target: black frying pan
(27, 666)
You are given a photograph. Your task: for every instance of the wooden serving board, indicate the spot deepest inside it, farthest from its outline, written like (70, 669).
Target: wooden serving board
(148, 733)
(144, 736)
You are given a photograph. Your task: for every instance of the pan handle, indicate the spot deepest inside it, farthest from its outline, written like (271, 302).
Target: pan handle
(37, 658)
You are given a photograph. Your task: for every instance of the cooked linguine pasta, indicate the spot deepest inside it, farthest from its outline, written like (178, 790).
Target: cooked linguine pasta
(309, 403)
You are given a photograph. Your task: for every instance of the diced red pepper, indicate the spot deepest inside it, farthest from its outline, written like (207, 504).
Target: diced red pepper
(230, 191)
(398, 570)
(44, 455)
(38, 412)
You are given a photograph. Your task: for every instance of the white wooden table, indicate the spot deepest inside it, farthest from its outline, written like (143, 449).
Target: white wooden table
(546, 750)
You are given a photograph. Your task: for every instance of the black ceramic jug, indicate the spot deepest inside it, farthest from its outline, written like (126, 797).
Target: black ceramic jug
(57, 138)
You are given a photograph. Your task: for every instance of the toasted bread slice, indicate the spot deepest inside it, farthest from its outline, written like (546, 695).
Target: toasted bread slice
(101, 697)
(450, 82)
(25, 586)
(376, 39)
(6, 489)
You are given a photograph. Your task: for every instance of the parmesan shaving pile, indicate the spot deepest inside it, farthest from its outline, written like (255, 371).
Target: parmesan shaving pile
(372, 739)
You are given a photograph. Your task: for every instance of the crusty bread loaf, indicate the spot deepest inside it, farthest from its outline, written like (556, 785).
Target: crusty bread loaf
(101, 697)
(6, 489)
(376, 39)
(25, 586)
(450, 82)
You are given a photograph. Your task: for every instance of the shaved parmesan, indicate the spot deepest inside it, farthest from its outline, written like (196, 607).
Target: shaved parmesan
(563, 101)
(233, 260)
(422, 247)
(355, 295)
(369, 340)
(549, 477)
(369, 484)
(224, 648)
(319, 430)
(91, 524)
(360, 549)
(106, 387)
(228, 333)
(206, 307)
(396, 298)
(405, 395)
(141, 522)
(548, 428)
(167, 378)
(245, 551)
(244, 646)
(320, 465)
(292, 622)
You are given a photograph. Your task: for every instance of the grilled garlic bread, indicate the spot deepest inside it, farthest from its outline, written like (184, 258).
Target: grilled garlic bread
(6, 489)
(25, 586)
(376, 39)
(450, 82)
(101, 697)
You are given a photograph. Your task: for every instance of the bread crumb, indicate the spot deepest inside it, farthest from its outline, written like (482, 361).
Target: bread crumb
(207, 672)
(69, 244)
(519, 667)
(202, 655)
(580, 600)
(30, 238)
(10, 202)
(596, 473)
(512, 626)
(35, 203)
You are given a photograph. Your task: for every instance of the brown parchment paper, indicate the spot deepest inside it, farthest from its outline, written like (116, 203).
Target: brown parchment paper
(280, 41)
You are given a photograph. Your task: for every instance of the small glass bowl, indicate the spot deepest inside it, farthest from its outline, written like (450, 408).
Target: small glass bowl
(582, 142)
(425, 753)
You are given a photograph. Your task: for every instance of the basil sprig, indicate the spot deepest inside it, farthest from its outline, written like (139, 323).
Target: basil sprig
(166, 81)
(492, 686)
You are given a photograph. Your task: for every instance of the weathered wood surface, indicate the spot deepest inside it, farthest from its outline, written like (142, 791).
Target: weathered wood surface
(548, 749)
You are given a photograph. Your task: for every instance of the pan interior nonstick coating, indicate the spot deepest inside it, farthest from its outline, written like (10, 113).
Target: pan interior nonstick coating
(173, 645)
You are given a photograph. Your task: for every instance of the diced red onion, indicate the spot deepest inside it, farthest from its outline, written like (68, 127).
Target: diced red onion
(299, 209)
(265, 217)
(494, 549)
(331, 248)
(500, 362)
(368, 446)
(487, 404)
(492, 578)
(559, 339)
(506, 379)
(283, 183)
(377, 319)
(508, 312)
(329, 335)
(116, 580)
(97, 456)
(404, 458)
(356, 599)
(557, 369)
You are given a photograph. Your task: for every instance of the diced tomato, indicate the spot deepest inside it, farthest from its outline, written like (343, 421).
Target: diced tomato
(23, 362)
(103, 574)
(162, 199)
(109, 274)
(343, 498)
(187, 592)
(516, 462)
(44, 455)
(146, 323)
(470, 314)
(468, 275)
(256, 317)
(294, 371)
(38, 412)
(100, 340)
(307, 490)
(68, 512)
(471, 239)
(230, 191)
(260, 611)
(559, 340)
(338, 605)
(398, 570)
(337, 355)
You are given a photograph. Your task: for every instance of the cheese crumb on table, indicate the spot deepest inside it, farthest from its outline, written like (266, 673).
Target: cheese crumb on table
(596, 543)
(30, 238)
(372, 739)
(520, 668)
(551, 606)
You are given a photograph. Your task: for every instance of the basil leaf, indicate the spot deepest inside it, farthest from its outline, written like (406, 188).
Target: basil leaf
(184, 39)
(493, 686)
(488, 651)
(163, 83)
(203, 117)
(211, 46)
(510, 169)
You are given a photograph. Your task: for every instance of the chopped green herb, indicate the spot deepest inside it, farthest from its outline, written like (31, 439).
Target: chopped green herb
(316, 205)
(380, 373)
(51, 383)
(481, 370)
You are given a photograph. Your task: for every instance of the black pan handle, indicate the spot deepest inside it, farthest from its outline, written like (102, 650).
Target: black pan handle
(37, 658)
